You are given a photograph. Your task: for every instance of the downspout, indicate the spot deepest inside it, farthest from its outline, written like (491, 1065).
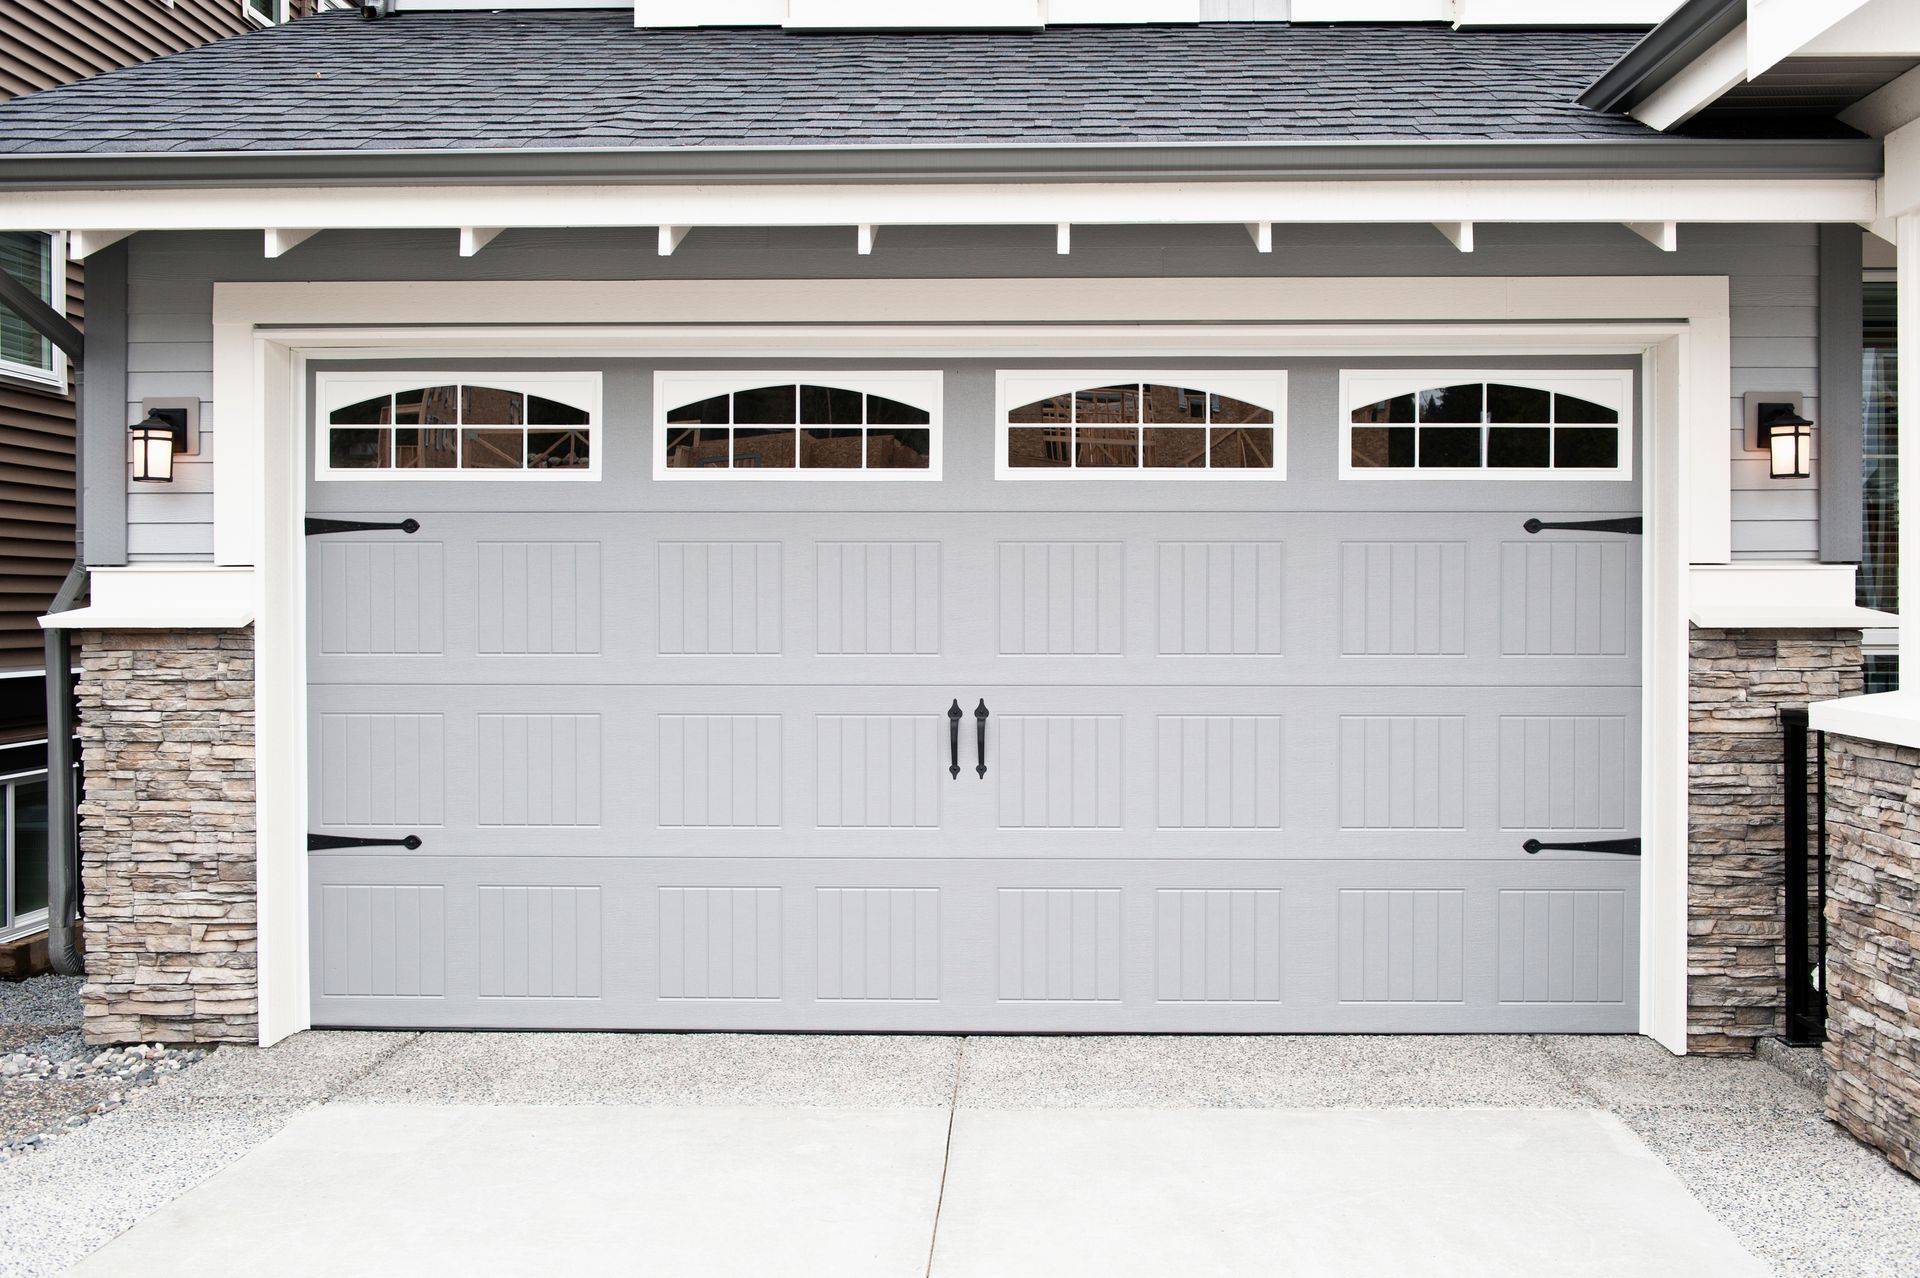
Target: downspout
(63, 862)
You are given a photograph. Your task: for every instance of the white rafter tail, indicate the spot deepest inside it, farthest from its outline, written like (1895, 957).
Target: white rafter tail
(83, 244)
(1262, 233)
(671, 238)
(475, 238)
(1063, 238)
(1664, 236)
(281, 240)
(868, 232)
(1459, 234)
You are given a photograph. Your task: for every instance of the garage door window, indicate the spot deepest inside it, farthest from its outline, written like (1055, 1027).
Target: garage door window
(1486, 425)
(797, 426)
(449, 427)
(1114, 425)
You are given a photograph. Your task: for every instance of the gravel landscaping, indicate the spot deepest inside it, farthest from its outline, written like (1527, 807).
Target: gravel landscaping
(51, 1082)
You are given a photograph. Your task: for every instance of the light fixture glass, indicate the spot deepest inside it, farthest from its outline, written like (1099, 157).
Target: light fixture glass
(1790, 446)
(153, 447)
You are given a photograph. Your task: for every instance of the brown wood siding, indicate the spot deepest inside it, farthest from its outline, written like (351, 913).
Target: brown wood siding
(44, 43)
(36, 502)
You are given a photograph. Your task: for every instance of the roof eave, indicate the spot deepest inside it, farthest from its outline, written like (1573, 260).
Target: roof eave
(1689, 31)
(1654, 156)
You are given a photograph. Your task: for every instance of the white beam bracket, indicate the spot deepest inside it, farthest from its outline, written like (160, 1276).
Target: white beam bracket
(868, 232)
(475, 238)
(1664, 236)
(1262, 233)
(83, 244)
(671, 237)
(1063, 238)
(281, 240)
(1459, 234)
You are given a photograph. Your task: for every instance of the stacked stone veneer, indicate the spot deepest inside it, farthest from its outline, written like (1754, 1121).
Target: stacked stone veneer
(167, 835)
(1873, 945)
(1736, 938)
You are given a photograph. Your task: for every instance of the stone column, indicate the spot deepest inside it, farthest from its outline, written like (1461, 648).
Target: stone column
(1736, 939)
(1873, 945)
(167, 835)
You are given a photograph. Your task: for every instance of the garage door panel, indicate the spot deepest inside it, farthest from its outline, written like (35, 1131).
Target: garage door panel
(803, 943)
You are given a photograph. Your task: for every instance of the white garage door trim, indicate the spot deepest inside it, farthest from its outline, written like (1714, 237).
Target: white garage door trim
(264, 334)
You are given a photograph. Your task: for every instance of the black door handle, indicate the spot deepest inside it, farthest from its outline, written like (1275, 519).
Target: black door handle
(1616, 847)
(328, 842)
(980, 737)
(316, 527)
(1633, 524)
(953, 737)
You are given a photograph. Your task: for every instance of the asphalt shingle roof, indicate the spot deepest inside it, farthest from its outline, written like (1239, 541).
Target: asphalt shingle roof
(588, 79)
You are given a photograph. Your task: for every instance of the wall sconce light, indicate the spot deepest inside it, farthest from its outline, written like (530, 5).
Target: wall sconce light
(1789, 439)
(155, 440)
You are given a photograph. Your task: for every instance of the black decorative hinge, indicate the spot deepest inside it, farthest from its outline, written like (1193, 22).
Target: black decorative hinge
(315, 527)
(329, 842)
(1631, 524)
(1614, 847)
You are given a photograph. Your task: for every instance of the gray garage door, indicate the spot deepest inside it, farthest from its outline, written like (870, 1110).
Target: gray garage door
(1258, 754)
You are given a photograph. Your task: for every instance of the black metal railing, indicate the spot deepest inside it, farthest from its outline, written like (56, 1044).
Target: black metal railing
(1805, 869)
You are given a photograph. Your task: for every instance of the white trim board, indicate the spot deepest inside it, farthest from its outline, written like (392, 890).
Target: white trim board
(1049, 204)
(265, 333)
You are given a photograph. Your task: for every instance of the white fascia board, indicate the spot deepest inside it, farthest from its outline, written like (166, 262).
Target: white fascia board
(163, 597)
(1781, 29)
(884, 15)
(1373, 10)
(706, 13)
(1900, 189)
(1697, 85)
(1892, 718)
(1116, 12)
(1756, 595)
(1560, 13)
(1745, 200)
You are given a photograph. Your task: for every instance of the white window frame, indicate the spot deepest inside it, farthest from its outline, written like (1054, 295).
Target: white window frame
(1265, 388)
(56, 376)
(1611, 387)
(335, 390)
(258, 19)
(13, 926)
(924, 389)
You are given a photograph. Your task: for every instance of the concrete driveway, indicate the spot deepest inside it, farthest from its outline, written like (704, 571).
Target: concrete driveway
(726, 1154)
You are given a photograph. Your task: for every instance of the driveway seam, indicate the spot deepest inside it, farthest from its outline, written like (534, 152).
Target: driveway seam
(334, 1092)
(946, 1154)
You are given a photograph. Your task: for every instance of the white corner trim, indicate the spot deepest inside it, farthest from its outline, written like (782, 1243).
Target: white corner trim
(1778, 596)
(163, 597)
(1892, 718)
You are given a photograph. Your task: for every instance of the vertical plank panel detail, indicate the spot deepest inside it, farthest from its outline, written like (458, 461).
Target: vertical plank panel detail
(1061, 598)
(720, 598)
(878, 597)
(1403, 598)
(539, 770)
(878, 770)
(1401, 946)
(1565, 599)
(720, 942)
(539, 942)
(1221, 598)
(382, 941)
(1563, 946)
(1563, 772)
(379, 598)
(538, 597)
(1215, 945)
(382, 769)
(1056, 771)
(1403, 772)
(720, 770)
(1220, 772)
(878, 943)
(1059, 945)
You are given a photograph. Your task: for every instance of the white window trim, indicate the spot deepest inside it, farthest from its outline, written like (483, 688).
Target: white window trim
(337, 390)
(258, 19)
(1266, 388)
(55, 377)
(919, 388)
(1610, 386)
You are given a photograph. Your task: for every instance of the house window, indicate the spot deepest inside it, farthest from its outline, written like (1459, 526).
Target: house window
(797, 425)
(1486, 425)
(266, 13)
(23, 892)
(1104, 424)
(38, 260)
(528, 426)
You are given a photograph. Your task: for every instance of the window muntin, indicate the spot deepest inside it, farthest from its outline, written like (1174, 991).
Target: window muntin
(797, 425)
(453, 426)
(38, 260)
(1108, 424)
(1486, 424)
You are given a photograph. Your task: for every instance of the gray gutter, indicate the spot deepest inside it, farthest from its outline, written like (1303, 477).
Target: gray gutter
(1688, 32)
(1655, 156)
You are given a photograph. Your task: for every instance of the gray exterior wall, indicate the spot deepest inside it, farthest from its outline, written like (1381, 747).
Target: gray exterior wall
(1774, 271)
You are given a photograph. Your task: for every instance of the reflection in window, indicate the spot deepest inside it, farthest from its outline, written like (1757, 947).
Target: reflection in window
(1140, 426)
(459, 427)
(1484, 426)
(799, 426)
(1877, 583)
